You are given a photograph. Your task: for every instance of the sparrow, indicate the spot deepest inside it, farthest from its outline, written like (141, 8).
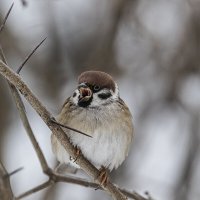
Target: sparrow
(96, 109)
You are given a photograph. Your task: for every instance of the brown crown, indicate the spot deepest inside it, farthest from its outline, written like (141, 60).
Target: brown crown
(99, 78)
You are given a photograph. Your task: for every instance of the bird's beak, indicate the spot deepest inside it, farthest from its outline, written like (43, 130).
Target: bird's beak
(85, 93)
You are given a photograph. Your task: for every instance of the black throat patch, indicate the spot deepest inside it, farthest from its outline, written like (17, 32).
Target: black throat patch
(85, 104)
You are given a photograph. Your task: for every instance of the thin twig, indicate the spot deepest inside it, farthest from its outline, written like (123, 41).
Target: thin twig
(29, 55)
(6, 17)
(13, 172)
(35, 189)
(68, 127)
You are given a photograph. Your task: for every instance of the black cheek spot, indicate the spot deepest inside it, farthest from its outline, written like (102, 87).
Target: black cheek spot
(74, 94)
(104, 95)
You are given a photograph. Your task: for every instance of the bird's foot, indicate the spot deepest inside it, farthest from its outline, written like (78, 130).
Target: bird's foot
(103, 176)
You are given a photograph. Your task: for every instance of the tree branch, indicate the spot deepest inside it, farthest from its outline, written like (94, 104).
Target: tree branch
(29, 56)
(92, 171)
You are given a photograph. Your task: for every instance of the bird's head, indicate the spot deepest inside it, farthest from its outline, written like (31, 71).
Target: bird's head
(95, 89)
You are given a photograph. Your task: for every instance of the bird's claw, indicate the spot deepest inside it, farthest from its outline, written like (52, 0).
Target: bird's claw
(103, 177)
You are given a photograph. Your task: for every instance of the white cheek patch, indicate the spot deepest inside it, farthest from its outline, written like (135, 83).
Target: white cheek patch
(115, 95)
(97, 101)
(75, 96)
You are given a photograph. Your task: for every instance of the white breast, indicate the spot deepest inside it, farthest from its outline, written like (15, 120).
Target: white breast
(111, 131)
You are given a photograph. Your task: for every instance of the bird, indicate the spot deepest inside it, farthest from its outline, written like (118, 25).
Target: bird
(96, 109)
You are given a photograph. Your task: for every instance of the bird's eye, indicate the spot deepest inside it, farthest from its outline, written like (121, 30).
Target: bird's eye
(96, 87)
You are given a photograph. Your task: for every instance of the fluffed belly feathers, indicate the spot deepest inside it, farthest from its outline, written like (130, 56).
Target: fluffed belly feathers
(111, 136)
